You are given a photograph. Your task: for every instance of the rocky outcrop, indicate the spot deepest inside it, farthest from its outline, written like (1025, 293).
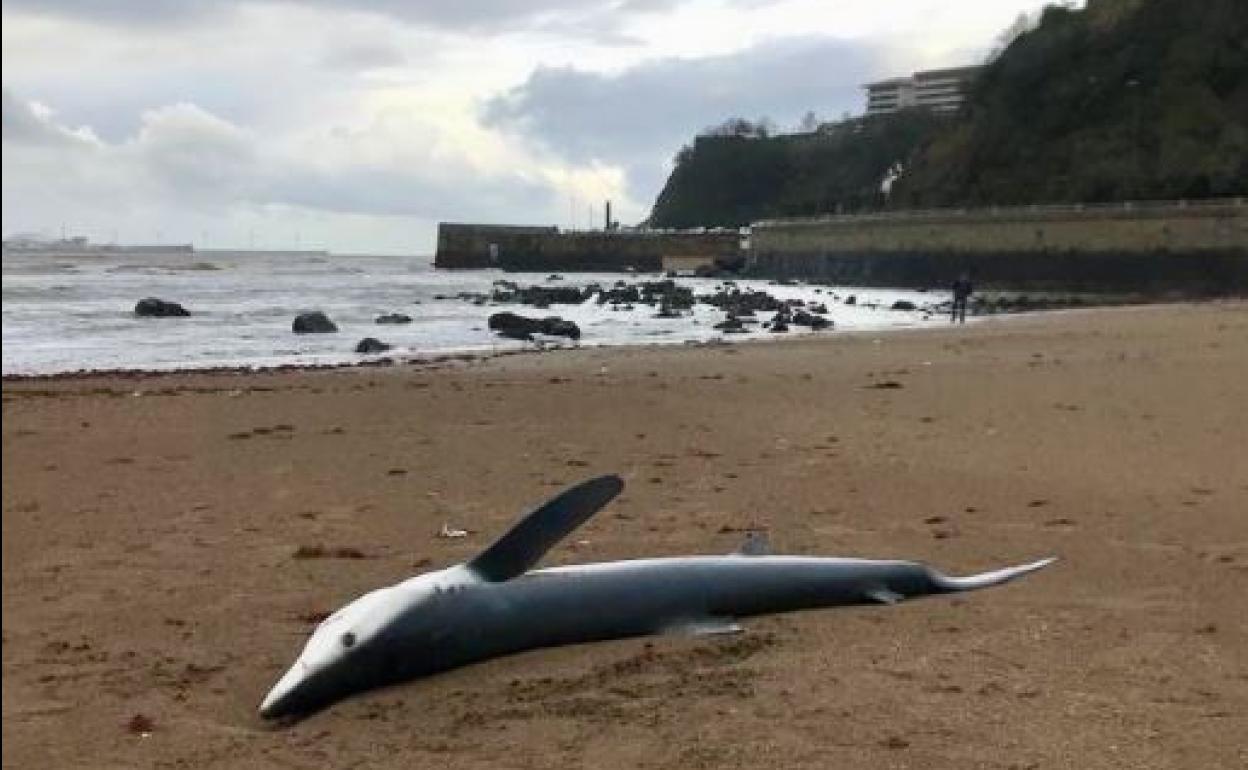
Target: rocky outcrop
(737, 302)
(538, 296)
(372, 345)
(810, 320)
(393, 318)
(518, 327)
(314, 322)
(732, 325)
(151, 307)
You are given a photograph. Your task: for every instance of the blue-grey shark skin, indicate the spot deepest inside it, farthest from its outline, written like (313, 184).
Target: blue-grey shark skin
(495, 606)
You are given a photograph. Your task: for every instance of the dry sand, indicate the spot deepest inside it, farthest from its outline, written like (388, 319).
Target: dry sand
(150, 527)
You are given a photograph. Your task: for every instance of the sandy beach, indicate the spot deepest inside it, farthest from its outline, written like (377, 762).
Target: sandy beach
(152, 591)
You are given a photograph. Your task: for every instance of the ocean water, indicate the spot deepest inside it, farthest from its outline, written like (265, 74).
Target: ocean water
(65, 314)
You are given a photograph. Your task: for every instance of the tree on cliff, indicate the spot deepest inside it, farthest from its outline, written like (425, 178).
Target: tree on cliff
(734, 177)
(1125, 100)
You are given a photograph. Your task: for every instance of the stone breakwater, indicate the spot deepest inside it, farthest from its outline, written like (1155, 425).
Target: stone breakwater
(542, 249)
(1186, 249)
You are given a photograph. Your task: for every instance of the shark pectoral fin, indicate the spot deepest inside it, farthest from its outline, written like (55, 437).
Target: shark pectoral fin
(884, 596)
(756, 544)
(537, 532)
(706, 626)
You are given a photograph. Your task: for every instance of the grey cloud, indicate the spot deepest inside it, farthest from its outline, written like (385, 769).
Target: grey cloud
(195, 154)
(184, 158)
(462, 15)
(409, 192)
(21, 125)
(364, 56)
(640, 117)
(125, 12)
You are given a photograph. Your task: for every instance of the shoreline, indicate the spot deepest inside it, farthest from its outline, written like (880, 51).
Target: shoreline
(470, 355)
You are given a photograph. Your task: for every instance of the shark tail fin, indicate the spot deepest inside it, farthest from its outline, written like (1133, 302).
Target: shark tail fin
(538, 531)
(949, 584)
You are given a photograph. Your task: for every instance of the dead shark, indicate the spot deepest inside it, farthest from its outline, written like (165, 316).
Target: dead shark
(497, 604)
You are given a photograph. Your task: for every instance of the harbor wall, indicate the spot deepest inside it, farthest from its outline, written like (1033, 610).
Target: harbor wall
(544, 249)
(1157, 247)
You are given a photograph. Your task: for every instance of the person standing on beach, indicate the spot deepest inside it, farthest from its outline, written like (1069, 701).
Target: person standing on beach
(961, 295)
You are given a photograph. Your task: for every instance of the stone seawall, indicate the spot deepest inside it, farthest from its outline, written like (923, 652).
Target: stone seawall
(546, 249)
(1154, 248)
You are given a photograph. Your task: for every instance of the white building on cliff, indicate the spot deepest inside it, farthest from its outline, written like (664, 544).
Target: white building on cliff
(940, 90)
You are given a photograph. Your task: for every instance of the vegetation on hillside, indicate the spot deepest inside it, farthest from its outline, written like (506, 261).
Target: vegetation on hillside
(738, 173)
(1124, 100)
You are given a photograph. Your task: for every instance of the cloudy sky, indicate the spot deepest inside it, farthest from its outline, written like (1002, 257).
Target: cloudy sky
(357, 126)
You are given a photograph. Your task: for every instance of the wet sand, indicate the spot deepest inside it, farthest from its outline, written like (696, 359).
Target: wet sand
(152, 592)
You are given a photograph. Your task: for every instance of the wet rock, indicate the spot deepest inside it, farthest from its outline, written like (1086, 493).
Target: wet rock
(393, 318)
(538, 296)
(733, 300)
(314, 322)
(372, 345)
(518, 327)
(557, 327)
(732, 325)
(814, 322)
(151, 307)
(903, 304)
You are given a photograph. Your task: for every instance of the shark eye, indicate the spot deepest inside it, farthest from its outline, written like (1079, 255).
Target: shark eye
(348, 640)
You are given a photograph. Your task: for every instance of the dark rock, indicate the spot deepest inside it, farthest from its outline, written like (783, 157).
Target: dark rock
(732, 325)
(815, 322)
(819, 308)
(557, 327)
(852, 299)
(779, 327)
(738, 302)
(538, 296)
(315, 322)
(372, 345)
(619, 293)
(518, 327)
(394, 318)
(159, 308)
(903, 304)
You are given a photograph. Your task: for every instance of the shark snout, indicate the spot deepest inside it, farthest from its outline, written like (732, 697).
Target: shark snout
(285, 697)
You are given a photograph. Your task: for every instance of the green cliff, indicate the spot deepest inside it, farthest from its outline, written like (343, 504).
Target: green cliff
(1123, 100)
(1126, 100)
(732, 180)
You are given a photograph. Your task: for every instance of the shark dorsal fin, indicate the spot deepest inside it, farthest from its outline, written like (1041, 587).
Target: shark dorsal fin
(756, 544)
(538, 531)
